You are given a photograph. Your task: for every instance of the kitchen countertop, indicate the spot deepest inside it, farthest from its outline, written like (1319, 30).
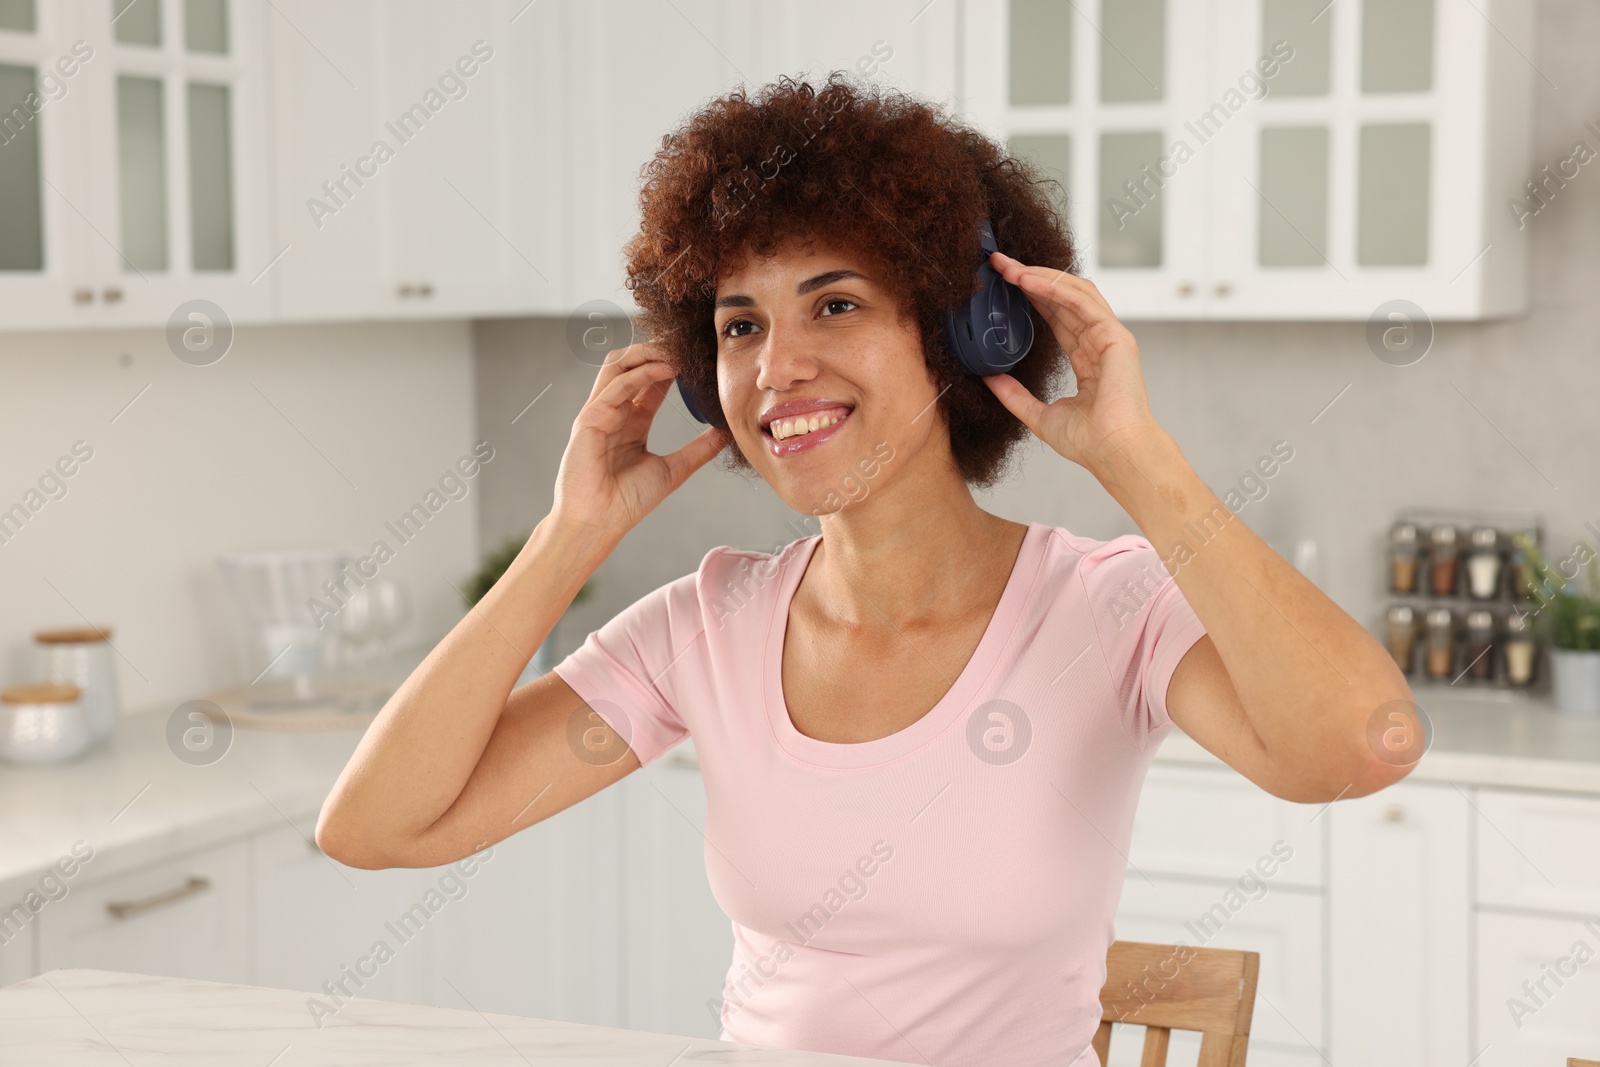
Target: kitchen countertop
(134, 802)
(73, 1017)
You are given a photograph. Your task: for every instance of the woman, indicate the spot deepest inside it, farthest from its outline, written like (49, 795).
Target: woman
(923, 732)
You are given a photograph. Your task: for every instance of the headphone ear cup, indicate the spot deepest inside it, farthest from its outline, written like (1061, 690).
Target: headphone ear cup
(688, 402)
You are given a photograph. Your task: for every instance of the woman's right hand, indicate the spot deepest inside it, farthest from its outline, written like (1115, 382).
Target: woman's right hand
(609, 480)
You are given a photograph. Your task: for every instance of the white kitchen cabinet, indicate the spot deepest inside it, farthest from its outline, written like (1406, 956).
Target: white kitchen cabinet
(1374, 164)
(536, 928)
(679, 942)
(1538, 999)
(418, 150)
(1399, 909)
(316, 921)
(17, 952)
(186, 917)
(140, 184)
(1538, 851)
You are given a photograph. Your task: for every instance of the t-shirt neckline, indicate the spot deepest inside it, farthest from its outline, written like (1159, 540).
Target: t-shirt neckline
(955, 700)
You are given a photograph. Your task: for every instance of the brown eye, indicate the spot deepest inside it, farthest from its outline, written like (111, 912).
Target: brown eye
(729, 327)
(837, 300)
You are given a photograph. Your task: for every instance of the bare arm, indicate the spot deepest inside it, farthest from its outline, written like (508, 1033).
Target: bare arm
(456, 761)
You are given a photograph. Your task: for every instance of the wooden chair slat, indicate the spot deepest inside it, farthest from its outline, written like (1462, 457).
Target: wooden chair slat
(1179, 987)
(1156, 1039)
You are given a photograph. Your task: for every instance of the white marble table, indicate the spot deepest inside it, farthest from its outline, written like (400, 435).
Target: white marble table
(88, 1018)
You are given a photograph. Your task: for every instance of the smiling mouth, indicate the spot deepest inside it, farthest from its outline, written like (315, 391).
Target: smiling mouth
(800, 425)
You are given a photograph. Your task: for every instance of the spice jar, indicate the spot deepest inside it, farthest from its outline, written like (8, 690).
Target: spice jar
(1440, 642)
(42, 723)
(1403, 557)
(84, 658)
(1402, 620)
(1521, 571)
(1483, 564)
(1442, 559)
(1480, 639)
(1521, 649)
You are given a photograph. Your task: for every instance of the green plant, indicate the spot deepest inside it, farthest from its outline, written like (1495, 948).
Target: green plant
(495, 564)
(1566, 618)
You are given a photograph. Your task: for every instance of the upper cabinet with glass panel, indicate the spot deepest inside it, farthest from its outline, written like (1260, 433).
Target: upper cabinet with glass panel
(1272, 158)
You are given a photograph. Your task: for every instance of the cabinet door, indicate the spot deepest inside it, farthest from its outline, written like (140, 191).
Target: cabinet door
(1538, 996)
(1195, 822)
(1398, 916)
(1097, 95)
(1283, 924)
(45, 277)
(186, 917)
(316, 921)
(536, 928)
(178, 157)
(473, 184)
(1374, 164)
(679, 940)
(1537, 850)
(17, 950)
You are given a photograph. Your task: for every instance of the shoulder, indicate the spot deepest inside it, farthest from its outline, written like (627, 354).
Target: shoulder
(1118, 578)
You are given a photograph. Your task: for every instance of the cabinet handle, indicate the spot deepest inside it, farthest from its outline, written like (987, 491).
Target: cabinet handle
(111, 296)
(686, 760)
(405, 290)
(425, 289)
(1394, 813)
(83, 296)
(122, 909)
(1185, 288)
(1223, 289)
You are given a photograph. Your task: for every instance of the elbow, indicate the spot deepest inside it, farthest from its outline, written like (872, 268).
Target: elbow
(347, 845)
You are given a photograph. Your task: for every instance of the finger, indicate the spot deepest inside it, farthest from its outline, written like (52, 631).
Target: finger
(615, 403)
(621, 361)
(694, 455)
(1017, 398)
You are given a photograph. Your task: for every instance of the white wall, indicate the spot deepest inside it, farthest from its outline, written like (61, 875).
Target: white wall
(202, 464)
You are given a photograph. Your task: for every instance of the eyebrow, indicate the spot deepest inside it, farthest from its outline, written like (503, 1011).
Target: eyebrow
(739, 300)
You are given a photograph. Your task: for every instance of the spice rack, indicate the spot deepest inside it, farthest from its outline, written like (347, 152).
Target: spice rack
(1458, 588)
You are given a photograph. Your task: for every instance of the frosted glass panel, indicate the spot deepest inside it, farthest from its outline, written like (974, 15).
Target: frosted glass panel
(21, 209)
(141, 156)
(1293, 206)
(1396, 46)
(205, 25)
(136, 21)
(210, 177)
(1041, 52)
(16, 15)
(1133, 49)
(1130, 213)
(1392, 228)
(1307, 71)
(1052, 154)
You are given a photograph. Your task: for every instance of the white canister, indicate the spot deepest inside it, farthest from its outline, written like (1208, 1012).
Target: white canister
(43, 723)
(84, 658)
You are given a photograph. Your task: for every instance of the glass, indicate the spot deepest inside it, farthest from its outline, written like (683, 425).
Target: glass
(17, 15)
(136, 22)
(1041, 52)
(1309, 72)
(1130, 198)
(1133, 50)
(1052, 154)
(1392, 219)
(141, 155)
(205, 26)
(21, 204)
(210, 177)
(1396, 46)
(1294, 191)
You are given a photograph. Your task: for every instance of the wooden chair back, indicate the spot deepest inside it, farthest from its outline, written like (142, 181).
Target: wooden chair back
(1573, 1061)
(1178, 987)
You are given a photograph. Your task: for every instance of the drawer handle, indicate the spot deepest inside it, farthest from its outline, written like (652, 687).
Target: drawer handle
(122, 909)
(83, 296)
(687, 760)
(111, 296)
(1394, 813)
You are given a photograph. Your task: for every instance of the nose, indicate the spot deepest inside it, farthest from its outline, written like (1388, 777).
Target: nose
(786, 358)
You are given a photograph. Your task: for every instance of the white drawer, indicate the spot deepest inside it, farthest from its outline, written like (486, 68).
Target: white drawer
(1548, 1026)
(1539, 851)
(186, 917)
(1198, 822)
(1284, 925)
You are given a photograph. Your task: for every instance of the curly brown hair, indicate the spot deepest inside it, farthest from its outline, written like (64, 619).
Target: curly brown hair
(867, 169)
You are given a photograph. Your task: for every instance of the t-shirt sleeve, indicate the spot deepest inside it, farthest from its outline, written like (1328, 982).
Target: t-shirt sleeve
(621, 669)
(1143, 625)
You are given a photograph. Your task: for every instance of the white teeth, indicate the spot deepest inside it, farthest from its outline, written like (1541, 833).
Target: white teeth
(785, 428)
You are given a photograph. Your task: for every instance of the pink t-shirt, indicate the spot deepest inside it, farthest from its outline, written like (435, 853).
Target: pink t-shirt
(943, 895)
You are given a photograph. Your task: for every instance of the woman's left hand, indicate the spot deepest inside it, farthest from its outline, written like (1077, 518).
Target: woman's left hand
(1110, 406)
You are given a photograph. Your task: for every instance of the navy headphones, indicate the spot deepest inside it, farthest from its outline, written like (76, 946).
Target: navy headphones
(989, 334)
